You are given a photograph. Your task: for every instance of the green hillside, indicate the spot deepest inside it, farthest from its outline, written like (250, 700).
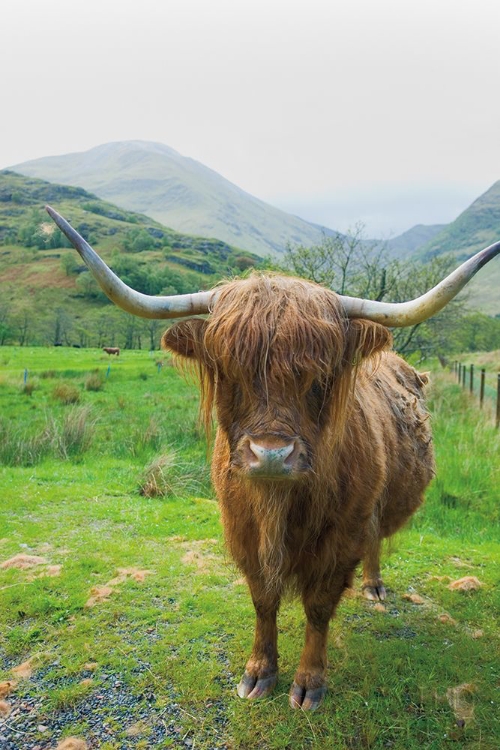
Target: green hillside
(156, 180)
(477, 227)
(48, 296)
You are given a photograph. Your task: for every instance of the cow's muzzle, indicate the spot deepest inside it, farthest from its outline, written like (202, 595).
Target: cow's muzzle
(272, 457)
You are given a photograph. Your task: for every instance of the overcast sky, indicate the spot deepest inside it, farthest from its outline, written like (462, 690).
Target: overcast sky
(385, 111)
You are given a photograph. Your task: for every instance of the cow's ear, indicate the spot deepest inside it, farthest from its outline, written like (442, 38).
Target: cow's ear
(186, 338)
(367, 338)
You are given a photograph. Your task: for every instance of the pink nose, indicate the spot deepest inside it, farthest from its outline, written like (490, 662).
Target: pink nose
(270, 456)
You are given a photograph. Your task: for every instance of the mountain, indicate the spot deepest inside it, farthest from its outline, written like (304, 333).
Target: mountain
(177, 191)
(476, 227)
(410, 241)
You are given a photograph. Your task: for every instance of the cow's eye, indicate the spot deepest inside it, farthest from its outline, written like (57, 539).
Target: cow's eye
(316, 394)
(317, 399)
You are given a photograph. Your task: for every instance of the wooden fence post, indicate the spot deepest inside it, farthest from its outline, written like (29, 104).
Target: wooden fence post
(497, 421)
(481, 388)
(471, 379)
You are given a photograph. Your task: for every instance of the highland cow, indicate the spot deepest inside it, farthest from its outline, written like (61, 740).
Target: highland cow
(323, 446)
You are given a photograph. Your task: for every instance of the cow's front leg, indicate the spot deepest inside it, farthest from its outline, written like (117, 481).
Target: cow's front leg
(309, 685)
(261, 671)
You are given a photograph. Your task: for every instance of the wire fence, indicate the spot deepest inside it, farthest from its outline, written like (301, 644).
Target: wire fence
(480, 383)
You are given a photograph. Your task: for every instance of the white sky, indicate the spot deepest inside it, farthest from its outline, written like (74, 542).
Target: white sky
(387, 111)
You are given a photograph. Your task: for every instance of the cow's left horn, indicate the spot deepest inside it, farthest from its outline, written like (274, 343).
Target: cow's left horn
(400, 314)
(143, 305)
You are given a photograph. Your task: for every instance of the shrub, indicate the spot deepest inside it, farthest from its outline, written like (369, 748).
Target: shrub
(66, 393)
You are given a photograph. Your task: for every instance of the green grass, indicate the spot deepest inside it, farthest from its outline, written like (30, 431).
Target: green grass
(155, 662)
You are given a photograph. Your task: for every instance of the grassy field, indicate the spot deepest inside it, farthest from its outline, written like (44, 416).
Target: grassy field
(123, 623)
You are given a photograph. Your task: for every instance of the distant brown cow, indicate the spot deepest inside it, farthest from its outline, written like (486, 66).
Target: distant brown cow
(323, 446)
(111, 350)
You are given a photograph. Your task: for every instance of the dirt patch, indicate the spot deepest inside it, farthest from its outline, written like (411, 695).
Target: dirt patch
(24, 670)
(198, 555)
(7, 687)
(99, 594)
(415, 598)
(446, 619)
(72, 743)
(468, 583)
(460, 700)
(23, 562)
(134, 573)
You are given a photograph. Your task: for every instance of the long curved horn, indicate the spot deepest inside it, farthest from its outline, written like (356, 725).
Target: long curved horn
(400, 314)
(143, 305)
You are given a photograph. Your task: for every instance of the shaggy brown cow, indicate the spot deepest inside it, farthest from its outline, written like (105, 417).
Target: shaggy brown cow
(323, 446)
(323, 449)
(111, 350)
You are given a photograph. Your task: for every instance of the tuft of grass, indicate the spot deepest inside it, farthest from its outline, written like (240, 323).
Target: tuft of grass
(167, 475)
(94, 382)
(66, 393)
(28, 388)
(75, 435)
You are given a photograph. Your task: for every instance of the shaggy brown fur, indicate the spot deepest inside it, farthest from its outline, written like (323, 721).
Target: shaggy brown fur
(278, 358)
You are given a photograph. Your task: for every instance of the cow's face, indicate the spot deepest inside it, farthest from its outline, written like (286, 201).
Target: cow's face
(279, 376)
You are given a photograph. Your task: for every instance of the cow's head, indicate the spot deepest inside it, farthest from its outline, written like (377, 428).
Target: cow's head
(277, 357)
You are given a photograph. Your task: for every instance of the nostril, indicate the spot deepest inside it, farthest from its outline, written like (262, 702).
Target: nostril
(293, 455)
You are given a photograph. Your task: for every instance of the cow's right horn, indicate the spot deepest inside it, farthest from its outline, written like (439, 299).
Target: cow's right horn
(136, 303)
(399, 314)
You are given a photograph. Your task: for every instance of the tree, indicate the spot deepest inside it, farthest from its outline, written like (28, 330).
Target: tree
(355, 267)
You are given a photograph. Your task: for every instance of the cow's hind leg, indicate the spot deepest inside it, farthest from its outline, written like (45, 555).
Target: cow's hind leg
(373, 587)
(261, 671)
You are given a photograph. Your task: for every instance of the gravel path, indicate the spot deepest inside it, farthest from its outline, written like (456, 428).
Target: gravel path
(111, 713)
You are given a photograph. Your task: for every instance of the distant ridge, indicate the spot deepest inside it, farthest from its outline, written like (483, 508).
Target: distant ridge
(410, 241)
(476, 227)
(179, 192)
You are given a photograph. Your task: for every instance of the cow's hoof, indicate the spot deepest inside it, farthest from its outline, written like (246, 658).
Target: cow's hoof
(375, 592)
(307, 700)
(254, 687)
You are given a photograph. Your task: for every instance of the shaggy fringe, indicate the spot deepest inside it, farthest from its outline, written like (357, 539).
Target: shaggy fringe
(268, 331)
